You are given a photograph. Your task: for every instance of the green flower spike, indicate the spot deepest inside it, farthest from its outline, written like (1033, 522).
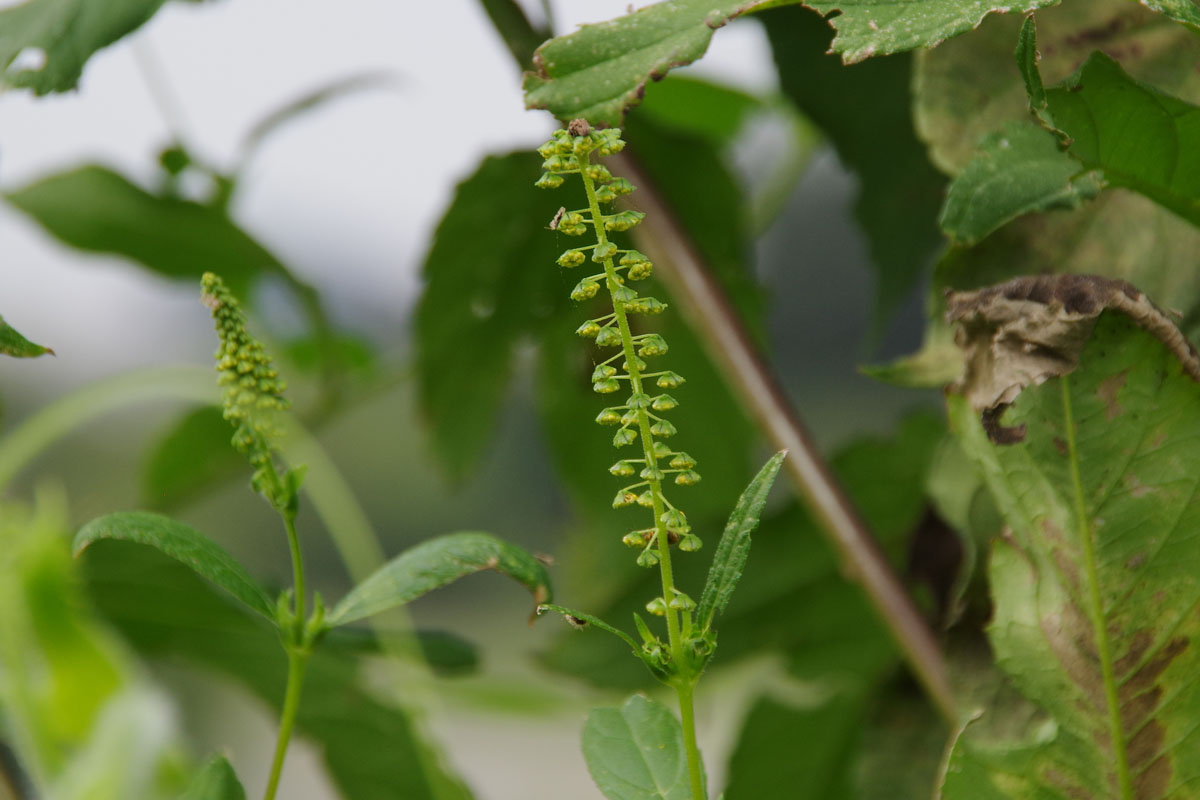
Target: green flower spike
(252, 393)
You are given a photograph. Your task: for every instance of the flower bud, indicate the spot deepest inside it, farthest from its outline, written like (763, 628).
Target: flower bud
(682, 461)
(606, 386)
(664, 402)
(669, 380)
(687, 478)
(589, 329)
(623, 220)
(608, 416)
(603, 371)
(646, 305)
(637, 362)
(657, 607)
(586, 289)
(630, 417)
(623, 294)
(681, 602)
(549, 180)
(661, 450)
(603, 251)
(638, 400)
(573, 223)
(648, 557)
(652, 345)
(622, 469)
(640, 271)
(674, 519)
(623, 437)
(651, 474)
(598, 173)
(624, 498)
(690, 543)
(571, 258)
(608, 336)
(633, 539)
(663, 428)
(646, 499)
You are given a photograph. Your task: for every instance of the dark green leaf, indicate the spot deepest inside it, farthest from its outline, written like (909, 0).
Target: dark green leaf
(699, 108)
(868, 28)
(599, 71)
(1094, 603)
(94, 209)
(216, 780)
(734, 547)
(900, 191)
(509, 20)
(189, 547)
(491, 280)
(435, 563)
(1016, 171)
(635, 752)
(12, 343)
(1141, 138)
(372, 749)
(67, 33)
(195, 452)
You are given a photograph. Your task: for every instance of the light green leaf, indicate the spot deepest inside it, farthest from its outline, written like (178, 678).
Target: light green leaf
(579, 619)
(868, 28)
(435, 563)
(94, 209)
(635, 752)
(734, 547)
(1093, 587)
(216, 780)
(968, 87)
(1016, 171)
(189, 547)
(1141, 138)
(67, 33)
(371, 748)
(12, 343)
(600, 71)
(1185, 11)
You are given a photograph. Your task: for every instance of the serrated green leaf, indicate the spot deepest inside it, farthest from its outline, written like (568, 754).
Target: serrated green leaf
(900, 191)
(734, 547)
(1094, 598)
(94, 209)
(12, 343)
(216, 780)
(1141, 138)
(187, 546)
(372, 749)
(67, 32)
(490, 281)
(1016, 171)
(194, 453)
(968, 87)
(435, 563)
(599, 71)
(636, 752)
(867, 28)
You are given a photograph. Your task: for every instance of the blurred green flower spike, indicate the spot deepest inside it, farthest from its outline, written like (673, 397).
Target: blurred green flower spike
(252, 393)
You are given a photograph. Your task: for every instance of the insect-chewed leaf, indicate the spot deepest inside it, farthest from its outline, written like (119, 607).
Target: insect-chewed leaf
(734, 547)
(184, 544)
(1093, 467)
(216, 780)
(636, 752)
(434, 564)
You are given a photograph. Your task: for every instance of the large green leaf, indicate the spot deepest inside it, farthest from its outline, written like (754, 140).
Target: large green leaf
(184, 544)
(1017, 170)
(1093, 585)
(94, 209)
(372, 749)
(1141, 138)
(900, 191)
(969, 87)
(435, 563)
(635, 752)
(216, 780)
(734, 548)
(599, 71)
(490, 281)
(12, 343)
(868, 28)
(67, 33)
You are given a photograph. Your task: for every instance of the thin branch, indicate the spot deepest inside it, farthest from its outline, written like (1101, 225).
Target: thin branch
(720, 330)
(515, 29)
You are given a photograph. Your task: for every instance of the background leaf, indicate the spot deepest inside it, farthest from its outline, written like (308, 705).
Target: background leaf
(216, 780)
(12, 343)
(1094, 613)
(1183, 11)
(599, 71)
(67, 32)
(372, 749)
(435, 563)
(94, 209)
(635, 752)
(195, 452)
(187, 546)
(868, 28)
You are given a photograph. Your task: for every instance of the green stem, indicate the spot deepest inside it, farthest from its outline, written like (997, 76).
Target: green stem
(685, 680)
(289, 523)
(297, 661)
(1099, 630)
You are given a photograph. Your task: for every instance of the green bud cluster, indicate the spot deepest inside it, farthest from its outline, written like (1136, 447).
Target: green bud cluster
(639, 418)
(252, 391)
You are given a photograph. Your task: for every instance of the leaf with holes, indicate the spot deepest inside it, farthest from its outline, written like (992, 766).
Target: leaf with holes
(1094, 586)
